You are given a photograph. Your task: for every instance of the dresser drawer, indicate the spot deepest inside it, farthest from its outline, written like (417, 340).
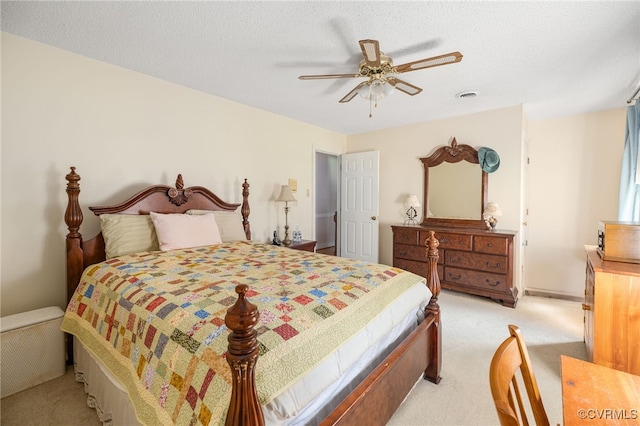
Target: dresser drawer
(405, 251)
(494, 245)
(420, 268)
(406, 236)
(482, 262)
(449, 240)
(484, 280)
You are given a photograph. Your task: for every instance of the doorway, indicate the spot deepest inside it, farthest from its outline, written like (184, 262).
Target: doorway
(326, 202)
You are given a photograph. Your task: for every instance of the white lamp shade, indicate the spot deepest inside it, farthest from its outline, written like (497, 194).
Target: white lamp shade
(492, 209)
(412, 201)
(377, 89)
(388, 89)
(365, 91)
(285, 194)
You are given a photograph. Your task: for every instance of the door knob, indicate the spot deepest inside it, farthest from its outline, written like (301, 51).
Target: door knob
(373, 218)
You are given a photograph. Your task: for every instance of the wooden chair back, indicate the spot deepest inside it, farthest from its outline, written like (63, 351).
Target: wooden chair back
(510, 357)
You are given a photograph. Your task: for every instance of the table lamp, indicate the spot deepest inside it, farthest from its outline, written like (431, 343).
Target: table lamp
(410, 204)
(490, 212)
(285, 197)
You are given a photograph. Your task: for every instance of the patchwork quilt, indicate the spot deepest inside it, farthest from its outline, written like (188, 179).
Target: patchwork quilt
(156, 320)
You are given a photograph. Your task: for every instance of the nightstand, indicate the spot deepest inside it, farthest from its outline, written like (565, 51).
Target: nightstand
(306, 245)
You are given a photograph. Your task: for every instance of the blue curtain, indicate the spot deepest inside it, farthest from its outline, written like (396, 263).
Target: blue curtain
(629, 202)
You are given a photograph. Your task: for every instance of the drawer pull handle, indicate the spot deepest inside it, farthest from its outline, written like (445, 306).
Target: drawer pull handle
(443, 240)
(405, 237)
(402, 253)
(496, 266)
(455, 278)
(455, 259)
(497, 283)
(586, 307)
(489, 244)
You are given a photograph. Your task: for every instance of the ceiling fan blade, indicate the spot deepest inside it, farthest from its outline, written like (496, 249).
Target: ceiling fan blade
(371, 52)
(323, 76)
(403, 86)
(353, 93)
(448, 58)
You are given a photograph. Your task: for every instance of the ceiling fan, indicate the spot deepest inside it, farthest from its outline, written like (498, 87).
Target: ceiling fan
(380, 72)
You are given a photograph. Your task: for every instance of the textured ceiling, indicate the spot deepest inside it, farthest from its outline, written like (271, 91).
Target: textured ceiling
(555, 58)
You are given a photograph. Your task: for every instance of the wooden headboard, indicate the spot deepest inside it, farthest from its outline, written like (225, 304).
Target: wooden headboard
(158, 198)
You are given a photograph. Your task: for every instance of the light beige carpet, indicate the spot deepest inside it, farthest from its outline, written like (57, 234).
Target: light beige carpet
(473, 327)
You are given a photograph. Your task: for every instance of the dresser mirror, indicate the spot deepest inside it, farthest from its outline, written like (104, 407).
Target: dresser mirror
(455, 188)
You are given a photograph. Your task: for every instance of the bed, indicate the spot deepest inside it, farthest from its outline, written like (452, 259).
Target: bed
(235, 331)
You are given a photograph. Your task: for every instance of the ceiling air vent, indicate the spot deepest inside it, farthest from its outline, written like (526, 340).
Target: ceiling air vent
(467, 94)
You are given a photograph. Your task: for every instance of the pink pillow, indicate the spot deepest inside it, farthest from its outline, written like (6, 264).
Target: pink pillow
(176, 231)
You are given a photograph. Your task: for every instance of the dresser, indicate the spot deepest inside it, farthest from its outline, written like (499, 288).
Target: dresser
(612, 312)
(477, 262)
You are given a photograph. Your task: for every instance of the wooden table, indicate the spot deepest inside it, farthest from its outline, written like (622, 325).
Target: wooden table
(305, 245)
(593, 394)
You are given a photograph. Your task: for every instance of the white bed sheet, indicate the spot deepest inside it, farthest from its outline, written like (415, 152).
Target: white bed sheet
(304, 403)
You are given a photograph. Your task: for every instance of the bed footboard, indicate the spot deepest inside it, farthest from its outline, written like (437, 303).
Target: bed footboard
(375, 400)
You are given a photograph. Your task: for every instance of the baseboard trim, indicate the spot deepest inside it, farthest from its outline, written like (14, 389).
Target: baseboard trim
(553, 295)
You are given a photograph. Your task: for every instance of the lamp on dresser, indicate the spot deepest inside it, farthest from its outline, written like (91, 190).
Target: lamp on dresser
(410, 204)
(490, 212)
(286, 196)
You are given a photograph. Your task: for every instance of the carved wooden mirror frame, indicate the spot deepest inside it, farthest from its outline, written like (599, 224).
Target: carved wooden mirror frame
(453, 154)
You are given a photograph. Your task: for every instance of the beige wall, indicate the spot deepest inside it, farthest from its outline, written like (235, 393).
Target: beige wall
(573, 182)
(124, 130)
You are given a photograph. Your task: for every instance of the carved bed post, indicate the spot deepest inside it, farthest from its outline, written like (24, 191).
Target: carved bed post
(75, 255)
(73, 219)
(245, 209)
(432, 373)
(242, 355)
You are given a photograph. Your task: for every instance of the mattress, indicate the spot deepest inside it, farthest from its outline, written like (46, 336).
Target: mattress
(336, 376)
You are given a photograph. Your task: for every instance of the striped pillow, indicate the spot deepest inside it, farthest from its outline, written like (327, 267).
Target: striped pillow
(128, 233)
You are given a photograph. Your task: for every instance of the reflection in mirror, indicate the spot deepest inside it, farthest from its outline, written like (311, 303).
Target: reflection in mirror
(451, 189)
(455, 190)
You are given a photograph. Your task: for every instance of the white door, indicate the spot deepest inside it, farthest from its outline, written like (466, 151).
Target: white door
(359, 206)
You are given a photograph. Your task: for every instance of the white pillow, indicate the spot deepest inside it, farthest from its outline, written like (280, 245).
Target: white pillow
(229, 224)
(176, 231)
(127, 233)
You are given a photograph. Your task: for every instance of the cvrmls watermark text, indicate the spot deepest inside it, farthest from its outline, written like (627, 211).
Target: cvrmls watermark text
(608, 414)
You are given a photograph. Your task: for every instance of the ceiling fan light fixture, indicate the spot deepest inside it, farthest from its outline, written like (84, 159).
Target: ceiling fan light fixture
(379, 73)
(387, 89)
(377, 88)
